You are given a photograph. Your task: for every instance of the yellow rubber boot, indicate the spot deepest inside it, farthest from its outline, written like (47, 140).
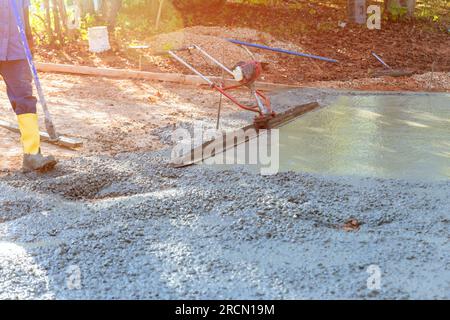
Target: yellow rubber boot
(33, 160)
(29, 129)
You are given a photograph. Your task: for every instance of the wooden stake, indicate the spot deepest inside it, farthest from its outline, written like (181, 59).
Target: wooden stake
(169, 77)
(158, 16)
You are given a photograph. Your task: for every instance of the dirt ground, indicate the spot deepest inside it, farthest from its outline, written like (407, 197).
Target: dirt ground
(419, 46)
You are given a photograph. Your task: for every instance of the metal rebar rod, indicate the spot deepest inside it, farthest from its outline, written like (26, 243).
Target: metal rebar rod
(249, 52)
(206, 54)
(187, 65)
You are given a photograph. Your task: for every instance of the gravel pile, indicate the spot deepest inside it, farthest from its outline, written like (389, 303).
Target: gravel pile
(213, 41)
(221, 49)
(434, 80)
(244, 34)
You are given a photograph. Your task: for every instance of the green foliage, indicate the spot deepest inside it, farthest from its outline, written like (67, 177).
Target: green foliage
(436, 10)
(397, 12)
(37, 22)
(167, 46)
(139, 19)
(136, 20)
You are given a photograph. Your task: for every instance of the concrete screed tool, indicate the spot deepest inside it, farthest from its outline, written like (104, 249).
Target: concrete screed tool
(246, 74)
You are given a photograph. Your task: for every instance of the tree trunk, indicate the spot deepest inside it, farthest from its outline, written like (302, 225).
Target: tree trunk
(110, 10)
(57, 22)
(86, 6)
(63, 15)
(48, 22)
(158, 15)
(410, 5)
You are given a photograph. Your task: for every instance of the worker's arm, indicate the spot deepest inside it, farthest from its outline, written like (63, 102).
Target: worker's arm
(26, 14)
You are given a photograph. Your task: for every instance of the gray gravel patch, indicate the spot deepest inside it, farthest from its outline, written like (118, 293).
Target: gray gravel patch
(152, 231)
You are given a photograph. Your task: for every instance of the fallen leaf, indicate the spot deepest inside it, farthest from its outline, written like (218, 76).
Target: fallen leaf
(351, 225)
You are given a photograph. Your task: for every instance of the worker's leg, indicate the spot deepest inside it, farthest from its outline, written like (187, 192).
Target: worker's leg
(18, 81)
(19, 87)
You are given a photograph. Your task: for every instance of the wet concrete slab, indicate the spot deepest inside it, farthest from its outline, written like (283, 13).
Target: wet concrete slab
(387, 136)
(380, 135)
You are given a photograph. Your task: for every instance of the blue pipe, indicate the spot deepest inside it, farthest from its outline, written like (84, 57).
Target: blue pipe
(260, 46)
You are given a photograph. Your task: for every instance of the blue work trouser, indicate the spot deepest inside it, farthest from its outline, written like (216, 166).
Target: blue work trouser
(19, 86)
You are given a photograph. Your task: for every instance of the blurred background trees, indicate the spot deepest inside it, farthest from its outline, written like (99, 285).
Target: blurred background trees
(52, 18)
